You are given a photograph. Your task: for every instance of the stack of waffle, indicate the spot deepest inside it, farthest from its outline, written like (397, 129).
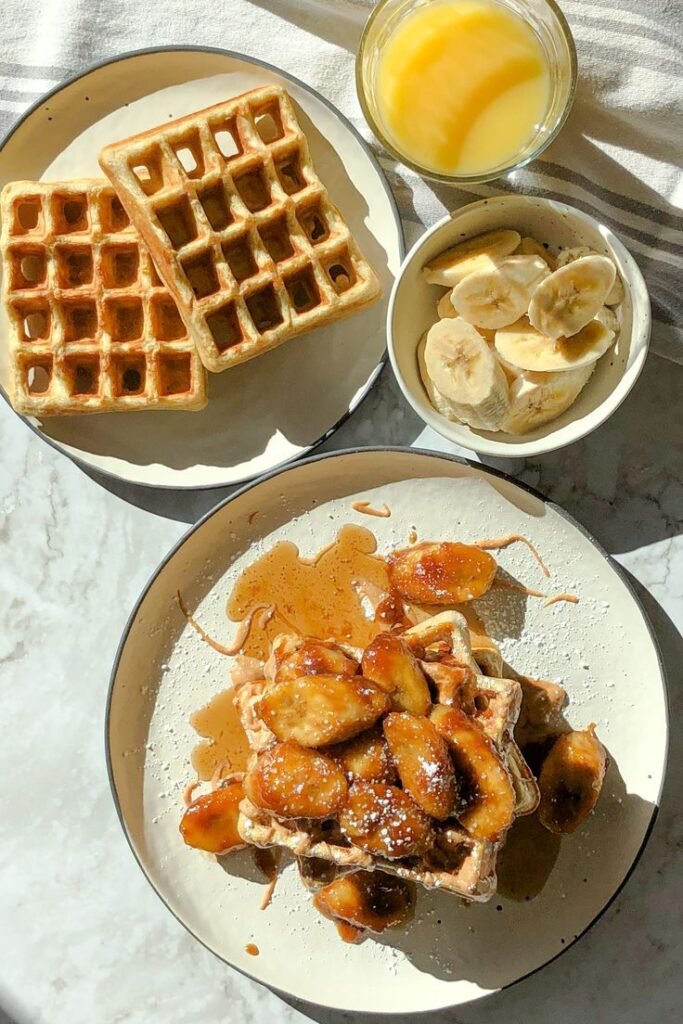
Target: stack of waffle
(226, 206)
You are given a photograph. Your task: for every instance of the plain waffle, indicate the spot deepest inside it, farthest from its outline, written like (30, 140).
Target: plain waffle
(91, 327)
(240, 226)
(457, 863)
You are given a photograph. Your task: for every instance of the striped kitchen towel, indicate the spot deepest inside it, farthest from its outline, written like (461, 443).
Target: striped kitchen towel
(618, 157)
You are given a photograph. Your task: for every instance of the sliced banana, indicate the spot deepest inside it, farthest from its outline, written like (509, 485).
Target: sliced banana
(445, 307)
(608, 317)
(499, 294)
(538, 398)
(465, 371)
(532, 247)
(439, 401)
(524, 346)
(455, 263)
(568, 299)
(615, 296)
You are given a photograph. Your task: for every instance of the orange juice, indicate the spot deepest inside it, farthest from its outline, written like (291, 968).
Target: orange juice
(462, 86)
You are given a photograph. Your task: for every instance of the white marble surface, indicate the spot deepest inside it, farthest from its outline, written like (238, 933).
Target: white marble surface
(82, 936)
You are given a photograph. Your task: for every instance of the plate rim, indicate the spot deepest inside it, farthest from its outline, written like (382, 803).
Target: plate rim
(486, 471)
(358, 400)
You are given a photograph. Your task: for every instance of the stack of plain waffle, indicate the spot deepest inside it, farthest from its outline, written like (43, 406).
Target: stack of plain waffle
(458, 863)
(217, 243)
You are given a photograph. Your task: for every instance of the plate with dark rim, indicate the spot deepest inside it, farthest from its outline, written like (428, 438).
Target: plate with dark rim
(268, 411)
(601, 649)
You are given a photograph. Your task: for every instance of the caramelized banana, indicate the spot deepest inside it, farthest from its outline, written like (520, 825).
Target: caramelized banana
(210, 822)
(485, 785)
(306, 656)
(391, 664)
(294, 782)
(444, 573)
(371, 900)
(365, 758)
(385, 821)
(571, 780)
(423, 761)
(317, 710)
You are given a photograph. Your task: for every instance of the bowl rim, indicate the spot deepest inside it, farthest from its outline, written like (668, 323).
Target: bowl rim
(480, 176)
(640, 334)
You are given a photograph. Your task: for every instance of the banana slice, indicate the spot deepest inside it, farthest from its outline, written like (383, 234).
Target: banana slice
(455, 263)
(439, 401)
(532, 247)
(538, 398)
(499, 294)
(608, 317)
(568, 299)
(615, 296)
(524, 346)
(465, 371)
(445, 307)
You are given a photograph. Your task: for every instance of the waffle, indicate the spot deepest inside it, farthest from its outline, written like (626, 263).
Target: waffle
(91, 327)
(457, 863)
(240, 226)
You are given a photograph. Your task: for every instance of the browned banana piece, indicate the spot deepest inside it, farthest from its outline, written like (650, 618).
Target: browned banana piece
(390, 663)
(423, 761)
(210, 822)
(294, 782)
(571, 780)
(385, 821)
(444, 573)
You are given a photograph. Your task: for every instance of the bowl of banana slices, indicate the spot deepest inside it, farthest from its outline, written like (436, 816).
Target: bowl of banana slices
(517, 325)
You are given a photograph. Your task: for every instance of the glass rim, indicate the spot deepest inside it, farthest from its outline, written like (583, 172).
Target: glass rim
(480, 176)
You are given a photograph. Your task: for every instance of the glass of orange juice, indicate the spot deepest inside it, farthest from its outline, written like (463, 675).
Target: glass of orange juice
(466, 90)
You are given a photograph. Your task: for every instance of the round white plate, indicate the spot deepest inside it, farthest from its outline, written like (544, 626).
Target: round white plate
(601, 649)
(270, 410)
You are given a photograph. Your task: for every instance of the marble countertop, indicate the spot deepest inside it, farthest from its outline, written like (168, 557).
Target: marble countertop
(83, 936)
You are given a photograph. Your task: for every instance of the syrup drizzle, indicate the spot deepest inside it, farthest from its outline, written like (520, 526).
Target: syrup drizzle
(368, 510)
(496, 543)
(569, 598)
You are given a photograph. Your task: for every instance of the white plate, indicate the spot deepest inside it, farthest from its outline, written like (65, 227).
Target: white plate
(601, 649)
(412, 311)
(270, 410)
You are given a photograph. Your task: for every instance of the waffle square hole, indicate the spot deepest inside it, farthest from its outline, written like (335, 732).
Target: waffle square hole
(82, 375)
(264, 309)
(113, 217)
(303, 290)
(129, 375)
(314, 223)
(289, 172)
(124, 319)
(253, 188)
(227, 138)
(70, 213)
(120, 265)
(215, 205)
(28, 215)
(29, 268)
(240, 258)
(74, 266)
(148, 173)
(177, 220)
(32, 320)
(225, 327)
(201, 273)
(268, 122)
(167, 323)
(174, 373)
(341, 273)
(80, 319)
(38, 377)
(189, 154)
(275, 237)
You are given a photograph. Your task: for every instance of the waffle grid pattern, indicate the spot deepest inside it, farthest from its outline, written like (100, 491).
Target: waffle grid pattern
(92, 328)
(240, 226)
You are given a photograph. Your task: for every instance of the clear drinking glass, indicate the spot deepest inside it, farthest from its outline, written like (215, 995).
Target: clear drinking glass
(551, 28)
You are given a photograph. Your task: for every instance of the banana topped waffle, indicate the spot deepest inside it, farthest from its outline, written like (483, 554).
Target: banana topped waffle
(341, 748)
(91, 326)
(241, 227)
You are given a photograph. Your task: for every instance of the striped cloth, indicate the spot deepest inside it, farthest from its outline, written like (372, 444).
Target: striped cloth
(618, 157)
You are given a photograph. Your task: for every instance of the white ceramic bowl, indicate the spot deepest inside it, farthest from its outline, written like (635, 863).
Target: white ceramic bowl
(412, 310)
